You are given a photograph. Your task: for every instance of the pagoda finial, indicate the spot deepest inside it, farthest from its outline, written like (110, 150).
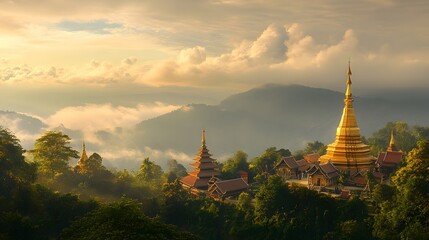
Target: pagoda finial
(203, 138)
(392, 139)
(83, 156)
(349, 82)
(392, 147)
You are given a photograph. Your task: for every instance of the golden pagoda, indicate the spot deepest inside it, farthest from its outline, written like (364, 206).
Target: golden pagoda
(83, 158)
(205, 168)
(348, 153)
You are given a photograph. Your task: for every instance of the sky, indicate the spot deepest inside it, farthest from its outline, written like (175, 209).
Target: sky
(132, 60)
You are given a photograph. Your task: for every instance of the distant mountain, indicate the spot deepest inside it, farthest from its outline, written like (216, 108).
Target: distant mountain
(27, 127)
(274, 115)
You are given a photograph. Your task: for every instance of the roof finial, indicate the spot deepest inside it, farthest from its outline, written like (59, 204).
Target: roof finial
(203, 139)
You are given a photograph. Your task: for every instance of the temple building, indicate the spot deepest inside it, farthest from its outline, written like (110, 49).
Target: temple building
(221, 189)
(323, 175)
(388, 162)
(205, 168)
(348, 153)
(289, 168)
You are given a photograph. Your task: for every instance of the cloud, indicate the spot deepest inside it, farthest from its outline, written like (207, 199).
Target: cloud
(194, 55)
(94, 73)
(25, 127)
(280, 54)
(96, 26)
(92, 118)
(277, 49)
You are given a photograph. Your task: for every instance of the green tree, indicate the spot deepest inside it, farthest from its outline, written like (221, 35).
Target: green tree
(421, 133)
(382, 193)
(53, 153)
(263, 166)
(244, 202)
(13, 166)
(92, 165)
(315, 147)
(405, 140)
(149, 171)
(271, 200)
(406, 217)
(121, 220)
(234, 164)
(175, 201)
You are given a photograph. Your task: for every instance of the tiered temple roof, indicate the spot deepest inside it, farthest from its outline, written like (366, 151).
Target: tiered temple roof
(204, 169)
(392, 157)
(348, 153)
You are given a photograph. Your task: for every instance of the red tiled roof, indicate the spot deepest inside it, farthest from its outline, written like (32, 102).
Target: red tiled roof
(302, 165)
(327, 169)
(203, 165)
(189, 180)
(290, 162)
(205, 173)
(345, 194)
(232, 185)
(192, 181)
(360, 180)
(389, 158)
(312, 158)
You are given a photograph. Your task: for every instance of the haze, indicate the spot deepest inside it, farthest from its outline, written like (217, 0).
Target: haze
(77, 63)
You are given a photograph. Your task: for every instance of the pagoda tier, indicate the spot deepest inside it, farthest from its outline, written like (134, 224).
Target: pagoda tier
(204, 169)
(348, 153)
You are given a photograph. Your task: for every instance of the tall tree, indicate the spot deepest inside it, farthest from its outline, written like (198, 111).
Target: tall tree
(91, 165)
(122, 220)
(263, 166)
(52, 152)
(13, 166)
(315, 147)
(405, 140)
(149, 171)
(238, 162)
(406, 217)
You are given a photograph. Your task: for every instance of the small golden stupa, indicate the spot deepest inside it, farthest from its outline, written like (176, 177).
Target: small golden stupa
(348, 153)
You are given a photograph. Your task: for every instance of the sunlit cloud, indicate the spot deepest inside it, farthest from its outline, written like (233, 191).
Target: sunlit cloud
(92, 118)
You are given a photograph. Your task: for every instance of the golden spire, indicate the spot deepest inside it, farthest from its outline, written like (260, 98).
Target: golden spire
(203, 138)
(84, 156)
(392, 147)
(349, 83)
(392, 140)
(348, 152)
